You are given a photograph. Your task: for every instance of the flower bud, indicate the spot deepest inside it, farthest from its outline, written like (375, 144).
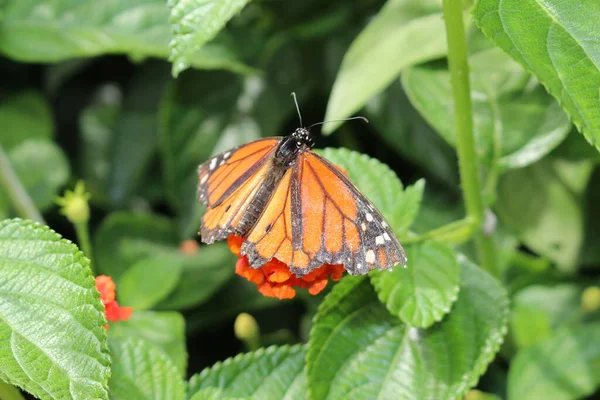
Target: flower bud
(590, 299)
(246, 329)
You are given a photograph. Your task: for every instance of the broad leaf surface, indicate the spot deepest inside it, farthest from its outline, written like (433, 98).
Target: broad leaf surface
(562, 367)
(381, 186)
(52, 336)
(125, 238)
(141, 370)
(51, 31)
(195, 22)
(423, 292)
(561, 48)
(271, 373)
(163, 329)
(150, 280)
(25, 115)
(402, 34)
(354, 333)
(42, 168)
(202, 275)
(513, 124)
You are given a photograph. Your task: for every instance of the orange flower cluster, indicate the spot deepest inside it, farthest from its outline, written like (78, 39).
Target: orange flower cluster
(274, 279)
(112, 310)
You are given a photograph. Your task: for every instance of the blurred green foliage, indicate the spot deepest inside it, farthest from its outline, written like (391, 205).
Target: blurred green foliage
(89, 93)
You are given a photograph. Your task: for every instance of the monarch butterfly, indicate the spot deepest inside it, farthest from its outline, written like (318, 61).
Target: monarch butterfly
(290, 203)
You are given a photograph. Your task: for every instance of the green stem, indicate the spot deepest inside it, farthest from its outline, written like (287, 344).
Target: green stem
(463, 115)
(16, 192)
(83, 236)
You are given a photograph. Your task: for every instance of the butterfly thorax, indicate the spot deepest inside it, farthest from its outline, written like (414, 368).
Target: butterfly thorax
(292, 146)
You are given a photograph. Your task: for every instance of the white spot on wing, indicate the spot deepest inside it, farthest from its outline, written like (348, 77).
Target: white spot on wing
(384, 224)
(386, 236)
(369, 217)
(213, 164)
(363, 226)
(370, 256)
(204, 179)
(379, 240)
(226, 155)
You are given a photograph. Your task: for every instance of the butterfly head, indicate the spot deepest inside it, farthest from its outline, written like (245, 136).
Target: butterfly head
(292, 146)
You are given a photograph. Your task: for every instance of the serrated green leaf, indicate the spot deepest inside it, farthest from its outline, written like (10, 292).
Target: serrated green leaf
(163, 329)
(513, 124)
(28, 116)
(562, 367)
(403, 33)
(358, 349)
(202, 275)
(271, 373)
(52, 336)
(423, 292)
(381, 186)
(540, 208)
(561, 49)
(85, 28)
(125, 238)
(150, 280)
(404, 130)
(195, 22)
(140, 370)
(41, 167)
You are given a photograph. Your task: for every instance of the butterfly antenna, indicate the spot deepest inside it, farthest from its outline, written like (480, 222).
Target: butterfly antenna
(297, 108)
(338, 120)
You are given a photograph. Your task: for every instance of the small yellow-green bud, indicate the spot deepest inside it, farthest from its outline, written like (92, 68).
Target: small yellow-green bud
(74, 204)
(246, 329)
(590, 299)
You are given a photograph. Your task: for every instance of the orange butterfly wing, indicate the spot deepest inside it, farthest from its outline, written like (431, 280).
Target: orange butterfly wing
(228, 184)
(317, 216)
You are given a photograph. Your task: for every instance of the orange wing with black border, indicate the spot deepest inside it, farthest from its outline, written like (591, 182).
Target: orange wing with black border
(317, 216)
(229, 182)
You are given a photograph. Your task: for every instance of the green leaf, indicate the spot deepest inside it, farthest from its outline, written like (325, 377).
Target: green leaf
(28, 115)
(52, 336)
(163, 329)
(560, 49)
(271, 373)
(42, 168)
(381, 186)
(564, 366)
(195, 22)
(403, 33)
(539, 310)
(194, 112)
(515, 124)
(125, 238)
(203, 274)
(136, 133)
(404, 130)
(423, 292)
(141, 370)
(10, 392)
(97, 126)
(542, 210)
(150, 280)
(86, 28)
(358, 350)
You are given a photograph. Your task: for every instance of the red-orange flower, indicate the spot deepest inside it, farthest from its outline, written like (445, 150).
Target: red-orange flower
(112, 310)
(274, 279)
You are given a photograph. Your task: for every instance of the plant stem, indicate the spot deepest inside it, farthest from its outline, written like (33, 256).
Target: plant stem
(16, 192)
(83, 237)
(463, 115)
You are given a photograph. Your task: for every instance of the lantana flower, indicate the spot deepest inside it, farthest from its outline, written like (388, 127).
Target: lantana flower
(274, 279)
(112, 310)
